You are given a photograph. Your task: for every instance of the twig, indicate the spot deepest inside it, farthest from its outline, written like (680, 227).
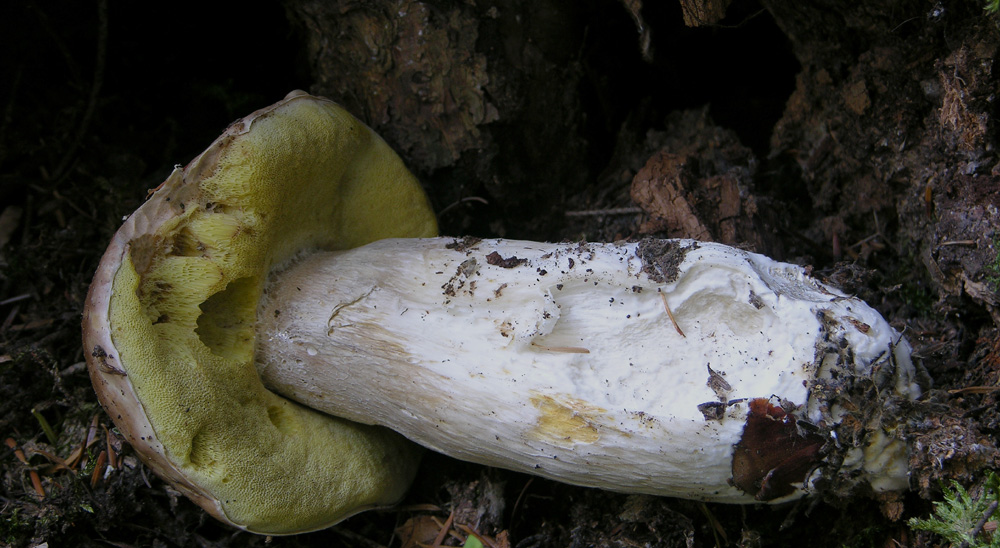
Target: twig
(865, 240)
(9, 321)
(957, 242)
(469, 531)
(878, 233)
(606, 211)
(54, 459)
(718, 531)
(461, 201)
(72, 204)
(444, 530)
(520, 499)
(745, 21)
(980, 524)
(15, 299)
(974, 390)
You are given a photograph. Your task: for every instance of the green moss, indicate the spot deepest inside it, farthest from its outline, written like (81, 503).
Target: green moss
(13, 528)
(918, 296)
(956, 517)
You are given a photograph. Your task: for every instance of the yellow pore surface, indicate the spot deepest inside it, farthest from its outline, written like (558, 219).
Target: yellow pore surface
(306, 175)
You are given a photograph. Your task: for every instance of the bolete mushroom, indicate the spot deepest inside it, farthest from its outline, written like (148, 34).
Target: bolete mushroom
(669, 367)
(169, 321)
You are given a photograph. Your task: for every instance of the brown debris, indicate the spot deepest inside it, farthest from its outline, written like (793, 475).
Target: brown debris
(699, 185)
(703, 12)
(477, 509)
(948, 447)
(964, 109)
(661, 190)
(661, 259)
(962, 255)
(510, 262)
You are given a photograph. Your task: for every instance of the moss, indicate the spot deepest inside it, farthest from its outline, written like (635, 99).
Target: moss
(14, 527)
(957, 518)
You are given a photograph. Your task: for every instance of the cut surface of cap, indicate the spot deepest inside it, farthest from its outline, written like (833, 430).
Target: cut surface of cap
(169, 320)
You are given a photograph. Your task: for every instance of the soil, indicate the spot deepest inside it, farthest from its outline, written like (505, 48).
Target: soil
(857, 139)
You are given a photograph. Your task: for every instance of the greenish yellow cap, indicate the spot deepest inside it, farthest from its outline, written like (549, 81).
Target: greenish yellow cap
(169, 321)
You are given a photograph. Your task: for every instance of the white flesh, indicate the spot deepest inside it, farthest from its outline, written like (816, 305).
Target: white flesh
(569, 365)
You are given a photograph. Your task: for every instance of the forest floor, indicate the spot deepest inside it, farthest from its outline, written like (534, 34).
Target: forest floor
(860, 141)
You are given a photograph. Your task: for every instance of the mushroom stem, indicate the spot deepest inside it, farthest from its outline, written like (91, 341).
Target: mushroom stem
(567, 361)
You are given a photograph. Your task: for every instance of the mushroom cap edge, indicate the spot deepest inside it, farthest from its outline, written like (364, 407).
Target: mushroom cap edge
(372, 180)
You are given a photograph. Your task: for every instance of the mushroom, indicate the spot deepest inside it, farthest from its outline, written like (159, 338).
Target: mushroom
(666, 367)
(258, 355)
(168, 326)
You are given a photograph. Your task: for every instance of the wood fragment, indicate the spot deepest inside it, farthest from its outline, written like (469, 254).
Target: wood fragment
(703, 12)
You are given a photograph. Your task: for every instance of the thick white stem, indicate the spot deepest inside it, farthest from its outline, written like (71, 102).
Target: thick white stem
(664, 367)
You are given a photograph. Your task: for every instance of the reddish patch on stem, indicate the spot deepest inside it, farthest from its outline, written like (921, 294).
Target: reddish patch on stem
(772, 455)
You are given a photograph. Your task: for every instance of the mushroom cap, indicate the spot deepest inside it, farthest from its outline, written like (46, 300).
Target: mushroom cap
(168, 327)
